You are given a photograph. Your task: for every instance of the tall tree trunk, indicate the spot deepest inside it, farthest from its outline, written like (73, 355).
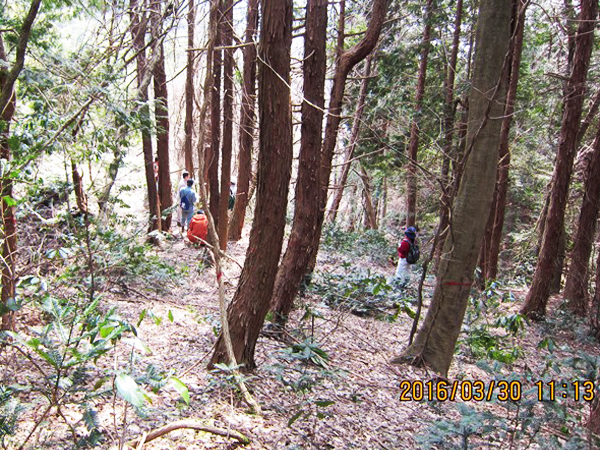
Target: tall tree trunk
(537, 297)
(435, 342)
(298, 251)
(250, 303)
(496, 220)
(246, 126)
(413, 145)
(165, 194)
(576, 289)
(212, 156)
(188, 125)
(8, 99)
(448, 130)
(345, 62)
(227, 123)
(339, 192)
(139, 23)
(595, 314)
(9, 221)
(370, 214)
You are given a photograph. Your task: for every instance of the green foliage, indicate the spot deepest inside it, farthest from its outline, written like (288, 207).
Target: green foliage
(10, 409)
(362, 293)
(370, 244)
(493, 339)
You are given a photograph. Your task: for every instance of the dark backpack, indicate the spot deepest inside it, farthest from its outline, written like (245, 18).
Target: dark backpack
(413, 253)
(185, 201)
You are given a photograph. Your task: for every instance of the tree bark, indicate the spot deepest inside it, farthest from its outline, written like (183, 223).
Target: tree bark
(436, 340)
(212, 155)
(413, 145)
(595, 314)
(339, 192)
(448, 130)
(346, 60)
(251, 301)
(188, 125)
(8, 99)
(227, 147)
(537, 297)
(236, 224)
(304, 227)
(9, 221)
(161, 112)
(493, 237)
(576, 287)
(139, 22)
(370, 213)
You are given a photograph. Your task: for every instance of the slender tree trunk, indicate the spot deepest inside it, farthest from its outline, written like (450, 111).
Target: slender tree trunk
(413, 145)
(80, 197)
(576, 287)
(246, 126)
(227, 123)
(162, 134)
(370, 214)
(251, 301)
(537, 298)
(436, 340)
(9, 221)
(8, 99)
(448, 130)
(298, 251)
(188, 126)
(496, 219)
(212, 156)
(139, 23)
(358, 114)
(595, 314)
(346, 60)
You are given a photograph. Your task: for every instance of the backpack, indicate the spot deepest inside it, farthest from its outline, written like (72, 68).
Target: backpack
(185, 201)
(413, 253)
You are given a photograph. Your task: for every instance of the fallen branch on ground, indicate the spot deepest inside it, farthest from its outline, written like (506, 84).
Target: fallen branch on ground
(189, 424)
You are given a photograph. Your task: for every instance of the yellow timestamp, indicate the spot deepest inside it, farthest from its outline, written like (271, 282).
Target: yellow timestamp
(501, 390)
(575, 390)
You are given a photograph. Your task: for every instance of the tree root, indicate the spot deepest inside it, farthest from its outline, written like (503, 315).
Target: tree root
(190, 424)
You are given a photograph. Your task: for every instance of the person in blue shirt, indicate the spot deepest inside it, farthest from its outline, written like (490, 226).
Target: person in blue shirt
(188, 198)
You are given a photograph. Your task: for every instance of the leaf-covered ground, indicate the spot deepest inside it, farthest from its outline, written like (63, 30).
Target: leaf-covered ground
(327, 382)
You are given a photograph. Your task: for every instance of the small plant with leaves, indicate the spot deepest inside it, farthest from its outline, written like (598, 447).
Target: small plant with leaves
(363, 293)
(488, 331)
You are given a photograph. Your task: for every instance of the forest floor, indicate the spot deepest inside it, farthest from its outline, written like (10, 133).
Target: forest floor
(330, 383)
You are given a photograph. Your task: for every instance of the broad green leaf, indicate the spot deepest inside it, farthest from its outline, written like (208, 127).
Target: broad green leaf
(181, 388)
(130, 391)
(324, 403)
(9, 200)
(142, 315)
(294, 418)
(170, 315)
(106, 330)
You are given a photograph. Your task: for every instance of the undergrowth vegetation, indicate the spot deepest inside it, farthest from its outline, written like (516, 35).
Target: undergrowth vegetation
(75, 352)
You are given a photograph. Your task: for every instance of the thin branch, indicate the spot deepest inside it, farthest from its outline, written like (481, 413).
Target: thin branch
(188, 424)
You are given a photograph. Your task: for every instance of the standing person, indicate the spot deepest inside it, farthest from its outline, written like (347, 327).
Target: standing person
(405, 257)
(182, 185)
(187, 200)
(198, 229)
(232, 193)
